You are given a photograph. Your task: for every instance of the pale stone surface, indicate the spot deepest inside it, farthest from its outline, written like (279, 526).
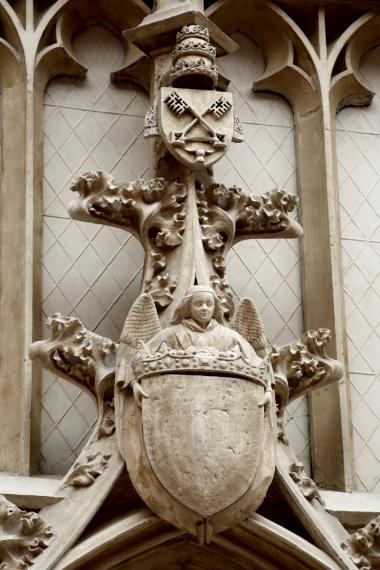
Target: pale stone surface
(281, 309)
(203, 437)
(90, 481)
(23, 536)
(201, 453)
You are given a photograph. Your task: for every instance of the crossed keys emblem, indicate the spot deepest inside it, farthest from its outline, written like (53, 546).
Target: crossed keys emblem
(213, 137)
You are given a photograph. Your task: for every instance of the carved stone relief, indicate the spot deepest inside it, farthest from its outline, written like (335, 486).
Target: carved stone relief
(23, 536)
(363, 546)
(182, 252)
(196, 396)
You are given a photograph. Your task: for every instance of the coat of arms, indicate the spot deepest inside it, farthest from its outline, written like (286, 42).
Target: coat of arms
(196, 125)
(201, 414)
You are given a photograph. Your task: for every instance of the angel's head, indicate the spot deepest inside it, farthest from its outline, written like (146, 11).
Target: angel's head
(201, 304)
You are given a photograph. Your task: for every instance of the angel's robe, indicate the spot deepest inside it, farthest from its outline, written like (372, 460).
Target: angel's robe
(214, 338)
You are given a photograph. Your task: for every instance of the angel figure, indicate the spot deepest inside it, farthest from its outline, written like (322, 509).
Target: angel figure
(197, 326)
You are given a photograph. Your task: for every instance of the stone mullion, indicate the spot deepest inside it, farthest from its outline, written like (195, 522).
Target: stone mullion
(323, 295)
(20, 273)
(15, 380)
(324, 302)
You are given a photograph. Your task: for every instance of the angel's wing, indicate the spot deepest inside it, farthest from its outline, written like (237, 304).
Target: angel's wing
(249, 324)
(142, 323)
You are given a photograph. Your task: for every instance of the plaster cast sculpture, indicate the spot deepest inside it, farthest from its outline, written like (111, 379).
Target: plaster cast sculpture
(204, 457)
(189, 400)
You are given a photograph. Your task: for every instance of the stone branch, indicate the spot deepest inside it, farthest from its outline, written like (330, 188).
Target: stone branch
(130, 206)
(250, 216)
(304, 363)
(363, 546)
(307, 486)
(153, 210)
(78, 355)
(23, 536)
(300, 367)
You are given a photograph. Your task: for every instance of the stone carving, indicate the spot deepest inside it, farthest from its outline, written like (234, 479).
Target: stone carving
(248, 323)
(77, 354)
(301, 366)
(132, 206)
(363, 546)
(84, 474)
(161, 288)
(305, 364)
(192, 381)
(153, 210)
(196, 129)
(196, 125)
(238, 135)
(23, 536)
(307, 486)
(107, 425)
(247, 214)
(150, 123)
(194, 59)
(194, 401)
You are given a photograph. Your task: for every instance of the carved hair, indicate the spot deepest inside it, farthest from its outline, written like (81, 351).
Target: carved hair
(183, 311)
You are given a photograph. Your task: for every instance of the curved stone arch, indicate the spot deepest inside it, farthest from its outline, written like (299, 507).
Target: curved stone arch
(302, 83)
(140, 539)
(12, 27)
(278, 49)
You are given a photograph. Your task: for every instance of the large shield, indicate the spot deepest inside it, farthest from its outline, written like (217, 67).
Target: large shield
(200, 452)
(196, 126)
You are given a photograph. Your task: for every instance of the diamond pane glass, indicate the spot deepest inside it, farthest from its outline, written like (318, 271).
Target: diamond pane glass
(358, 147)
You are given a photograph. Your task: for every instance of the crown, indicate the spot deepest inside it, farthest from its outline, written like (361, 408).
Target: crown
(193, 31)
(198, 361)
(194, 59)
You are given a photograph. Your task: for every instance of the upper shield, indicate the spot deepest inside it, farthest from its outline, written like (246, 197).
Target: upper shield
(196, 126)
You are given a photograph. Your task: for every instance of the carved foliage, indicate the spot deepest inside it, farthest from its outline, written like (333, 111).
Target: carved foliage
(153, 210)
(161, 289)
(304, 363)
(251, 215)
(307, 486)
(129, 206)
(363, 546)
(107, 424)
(23, 536)
(85, 472)
(76, 354)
